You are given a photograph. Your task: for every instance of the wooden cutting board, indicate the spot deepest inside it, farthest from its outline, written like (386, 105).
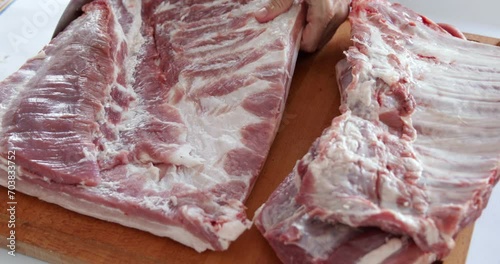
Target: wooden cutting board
(51, 233)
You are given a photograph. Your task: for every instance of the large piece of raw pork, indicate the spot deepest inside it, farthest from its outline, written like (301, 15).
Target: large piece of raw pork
(157, 115)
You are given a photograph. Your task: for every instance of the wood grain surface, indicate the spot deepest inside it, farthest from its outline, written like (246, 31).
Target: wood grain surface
(53, 234)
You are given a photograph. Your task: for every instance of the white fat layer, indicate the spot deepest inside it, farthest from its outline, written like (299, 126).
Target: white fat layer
(164, 6)
(383, 252)
(230, 231)
(102, 212)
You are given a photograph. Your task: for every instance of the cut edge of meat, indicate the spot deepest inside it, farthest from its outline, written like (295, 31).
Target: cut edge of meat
(296, 237)
(230, 231)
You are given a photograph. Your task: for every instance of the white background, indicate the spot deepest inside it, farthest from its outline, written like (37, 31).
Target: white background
(27, 25)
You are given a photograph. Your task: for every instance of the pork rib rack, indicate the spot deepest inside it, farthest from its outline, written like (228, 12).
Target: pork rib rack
(410, 162)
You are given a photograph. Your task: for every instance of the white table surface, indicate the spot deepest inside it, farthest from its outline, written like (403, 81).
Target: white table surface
(27, 25)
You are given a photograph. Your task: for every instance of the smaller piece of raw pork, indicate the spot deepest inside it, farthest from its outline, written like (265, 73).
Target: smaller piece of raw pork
(414, 156)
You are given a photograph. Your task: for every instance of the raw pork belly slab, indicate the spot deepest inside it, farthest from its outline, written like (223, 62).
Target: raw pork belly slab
(414, 157)
(157, 115)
